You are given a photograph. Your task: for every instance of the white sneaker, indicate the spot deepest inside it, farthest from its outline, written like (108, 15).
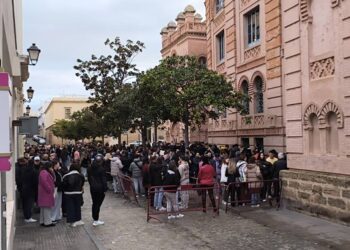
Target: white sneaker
(98, 223)
(31, 220)
(162, 209)
(170, 217)
(78, 223)
(179, 216)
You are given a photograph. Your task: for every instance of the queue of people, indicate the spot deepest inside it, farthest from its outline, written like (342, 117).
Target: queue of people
(52, 177)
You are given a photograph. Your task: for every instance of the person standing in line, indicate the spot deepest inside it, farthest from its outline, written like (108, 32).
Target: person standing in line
(156, 178)
(254, 178)
(27, 187)
(116, 168)
(206, 177)
(136, 173)
(98, 187)
(171, 183)
(46, 191)
(56, 210)
(73, 183)
(184, 171)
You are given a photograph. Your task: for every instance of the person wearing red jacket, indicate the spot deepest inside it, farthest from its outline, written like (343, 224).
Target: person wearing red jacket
(206, 177)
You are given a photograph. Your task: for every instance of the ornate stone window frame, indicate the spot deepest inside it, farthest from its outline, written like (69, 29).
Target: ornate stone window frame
(310, 109)
(327, 107)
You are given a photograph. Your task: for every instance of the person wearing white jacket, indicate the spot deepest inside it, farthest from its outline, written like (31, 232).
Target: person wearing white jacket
(116, 166)
(223, 178)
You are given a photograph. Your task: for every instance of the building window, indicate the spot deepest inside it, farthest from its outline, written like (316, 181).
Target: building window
(220, 41)
(314, 134)
(219, 5)
(245, 91)
(332, 133)
(259, 95)
(202, 61)
(259, 144)
(252, 27)
(245, 142)
(67, 113)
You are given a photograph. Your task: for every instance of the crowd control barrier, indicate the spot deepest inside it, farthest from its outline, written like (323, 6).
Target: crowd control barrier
(190, 198)
(254, 193)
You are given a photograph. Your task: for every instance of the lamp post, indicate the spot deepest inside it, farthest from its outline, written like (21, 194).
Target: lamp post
(30, 93)
(28, 110)
(34, 53)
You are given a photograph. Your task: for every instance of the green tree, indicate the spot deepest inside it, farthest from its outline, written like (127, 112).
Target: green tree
(192, 94)
(105, 77)
(65, 129)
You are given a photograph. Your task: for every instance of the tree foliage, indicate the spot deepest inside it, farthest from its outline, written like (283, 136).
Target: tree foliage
(108, 78)
(191, 93)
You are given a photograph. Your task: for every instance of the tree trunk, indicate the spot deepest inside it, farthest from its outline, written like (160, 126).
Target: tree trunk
(144, 135)
(155, 132)
(187, 139)
(120, 139)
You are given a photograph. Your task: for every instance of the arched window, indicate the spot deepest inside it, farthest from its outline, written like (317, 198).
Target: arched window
(203, 61)
(245, 91)
(314, 134)
(332, 133)
(259, 95)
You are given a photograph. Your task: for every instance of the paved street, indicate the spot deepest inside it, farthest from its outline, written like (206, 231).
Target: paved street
(126, 228)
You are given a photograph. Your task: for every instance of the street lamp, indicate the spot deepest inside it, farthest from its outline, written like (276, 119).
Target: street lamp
(34, 53)
(30, 93)
(28, 110)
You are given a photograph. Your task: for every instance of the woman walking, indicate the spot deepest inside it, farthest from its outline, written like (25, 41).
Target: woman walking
(73, 183)
(98, 187)
(46, 191)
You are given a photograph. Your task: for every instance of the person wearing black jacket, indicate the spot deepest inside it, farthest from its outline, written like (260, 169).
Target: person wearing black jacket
(156, 179)
(27, 186)
(98, 187)
(171, 183)
(56, 210)
(281, 164)
(73, 183)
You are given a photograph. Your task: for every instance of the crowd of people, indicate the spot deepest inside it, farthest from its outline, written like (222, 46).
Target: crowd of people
(52, 177)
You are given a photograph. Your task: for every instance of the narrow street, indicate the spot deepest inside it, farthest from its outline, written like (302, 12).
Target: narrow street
(126, 228)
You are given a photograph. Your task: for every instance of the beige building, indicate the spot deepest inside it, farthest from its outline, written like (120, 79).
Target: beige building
(61, 108)
(13, 74)
(185, 37)
(244, 43)
(316, 73)
(292, 57)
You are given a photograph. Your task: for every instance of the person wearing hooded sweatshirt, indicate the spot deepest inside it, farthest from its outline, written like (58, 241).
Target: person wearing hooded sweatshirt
(136, 173)
(184, 171)
(98, 187)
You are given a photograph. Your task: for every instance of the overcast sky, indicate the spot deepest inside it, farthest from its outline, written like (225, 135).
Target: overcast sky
(71, 29)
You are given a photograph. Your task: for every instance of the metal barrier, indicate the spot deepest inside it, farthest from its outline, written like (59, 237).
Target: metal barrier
(127, 186)
(191, 196)
(255, 193)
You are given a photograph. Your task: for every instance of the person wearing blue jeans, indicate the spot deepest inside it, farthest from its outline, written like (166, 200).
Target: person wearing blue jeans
(158, 198)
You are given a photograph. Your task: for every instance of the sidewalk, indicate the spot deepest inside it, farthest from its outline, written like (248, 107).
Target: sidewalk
(60, 237)
(323, 232)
